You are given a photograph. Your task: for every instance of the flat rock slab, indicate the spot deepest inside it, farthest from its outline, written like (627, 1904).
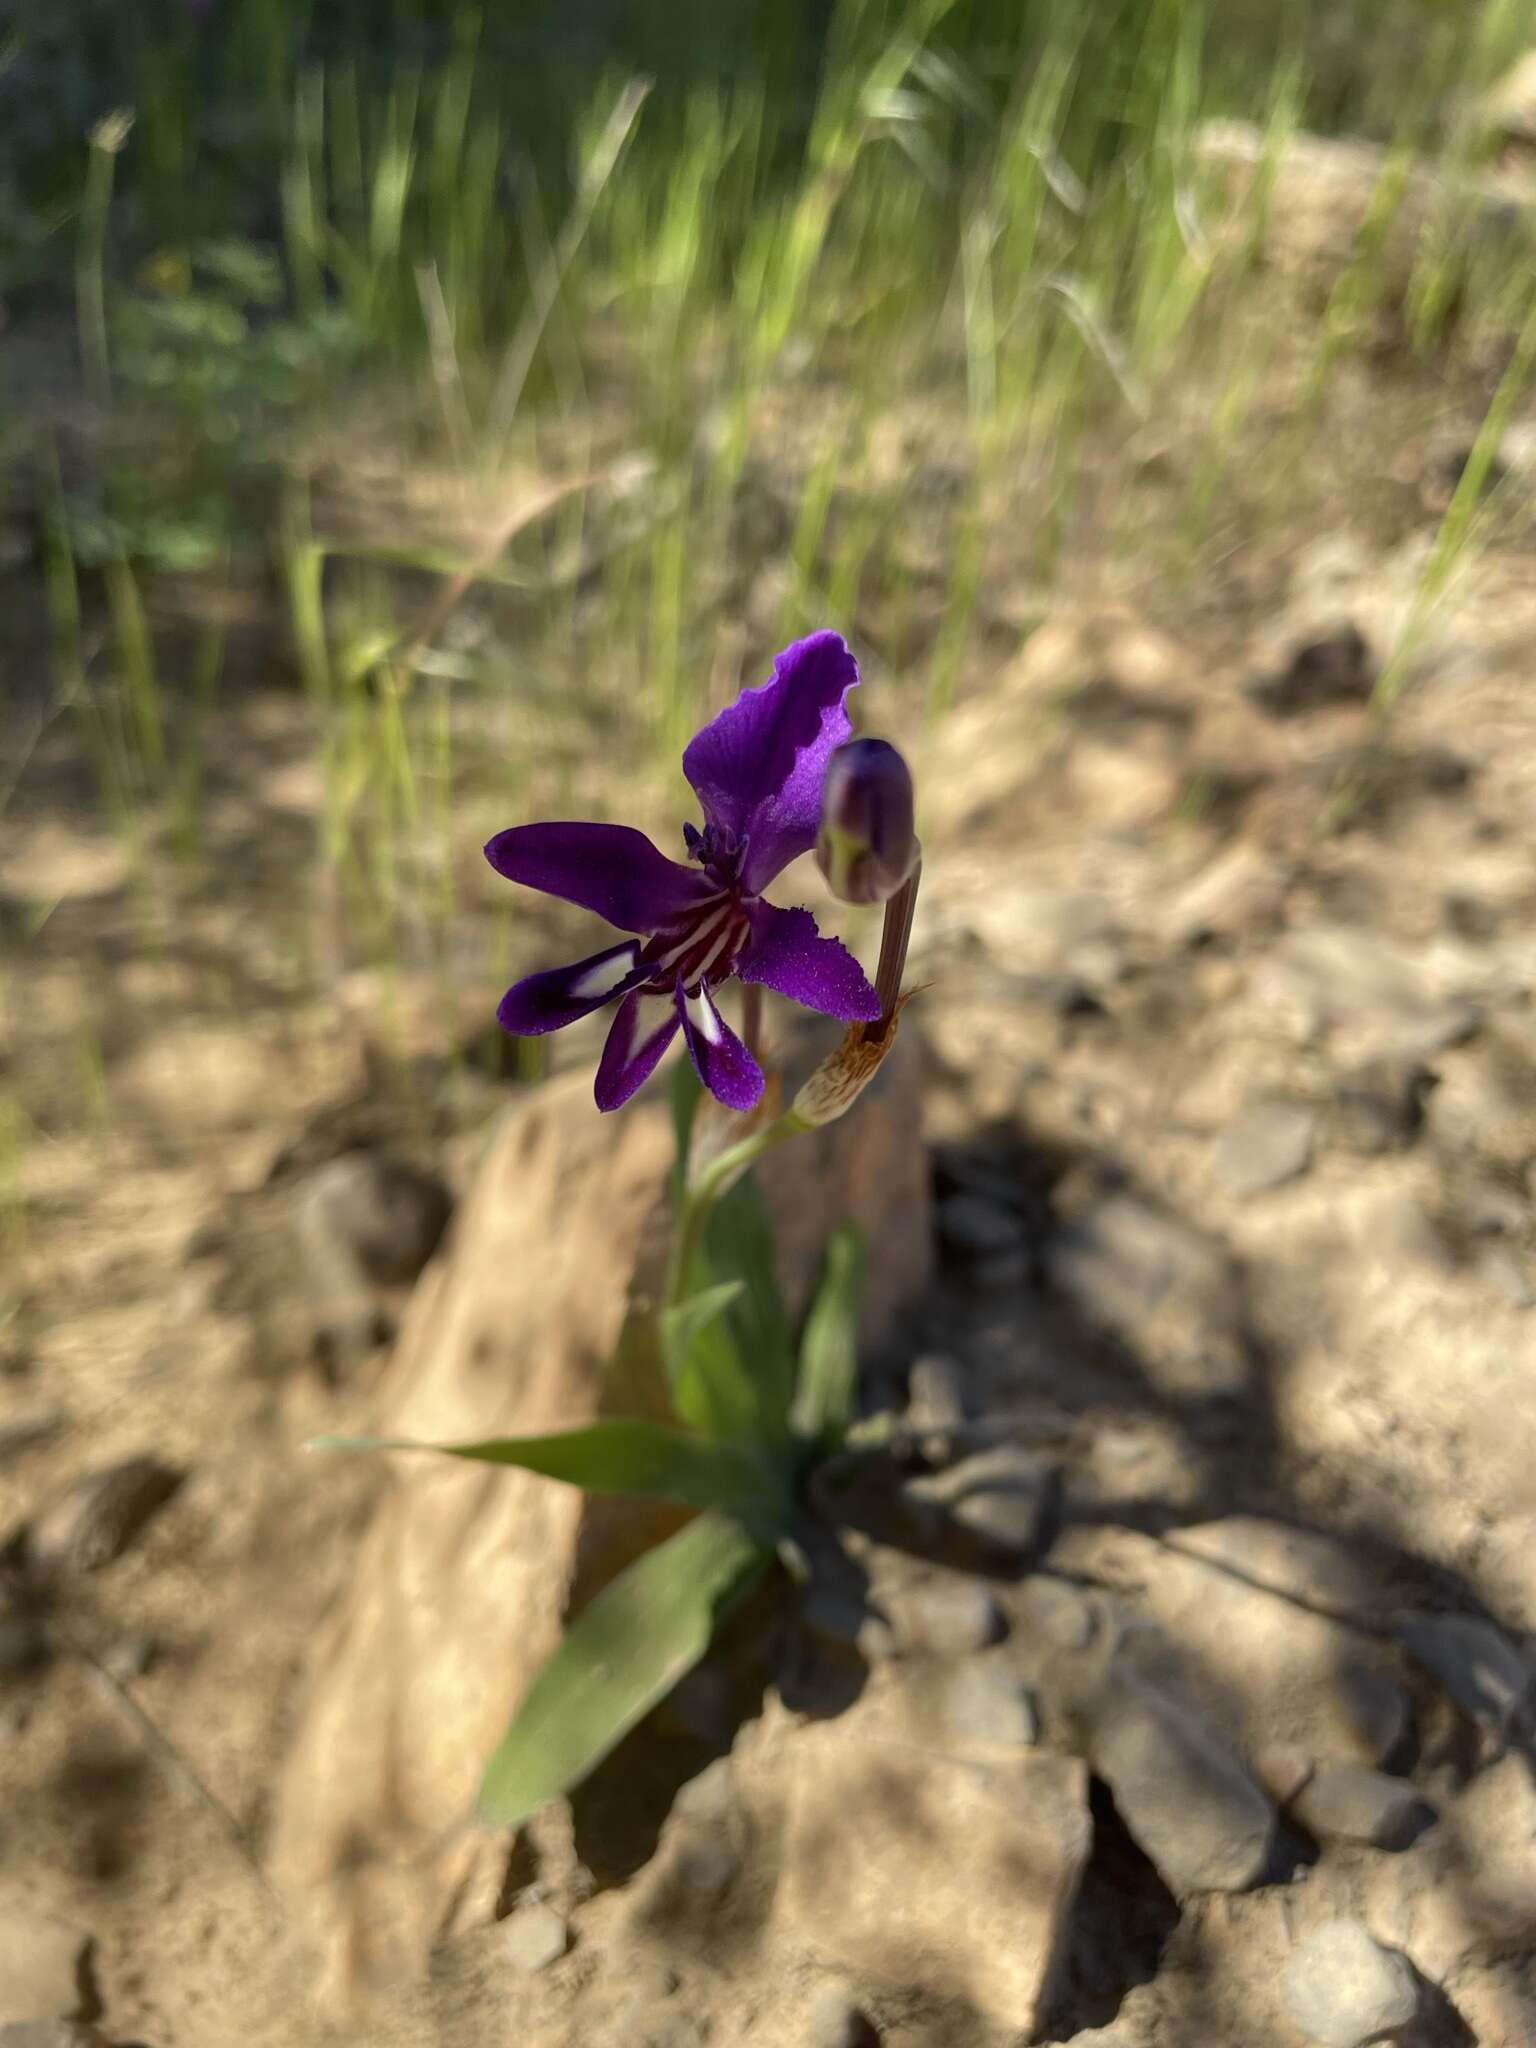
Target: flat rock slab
(919, 1868)
(1183, 1795)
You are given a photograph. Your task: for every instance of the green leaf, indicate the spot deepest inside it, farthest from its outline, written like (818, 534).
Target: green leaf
(738, 1245)
(619, 1455)
(712, 1391)
(621, 1655)
(827, 1394)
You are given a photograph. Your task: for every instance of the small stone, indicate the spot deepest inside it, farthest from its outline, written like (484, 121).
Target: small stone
(1508, 1277)
(834, 2021)
(1263, 1147)
(1343, 1989)
(1282, 1769)
(27, 1432)
(97, 1518)
(1353, 1803)
(952, 1617)
(1002, 1501)
(1183, 1795)
(43, 1968)
(24, 1646)
(1379, 1105)
(1060, 1613)
(1483, 1672)
(988, 1708)
(935, 1395)
(379, 1212)
(1493, 1210)
(534, 1936)
(1331, 665)
(708, 1798)
(130, 1658)
(975, 1227)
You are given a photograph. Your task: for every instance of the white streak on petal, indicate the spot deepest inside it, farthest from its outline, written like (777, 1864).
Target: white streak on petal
(604, 976)
(650, 1015)
(701, 1015)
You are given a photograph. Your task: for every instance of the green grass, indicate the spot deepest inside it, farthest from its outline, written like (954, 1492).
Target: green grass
(815, 329)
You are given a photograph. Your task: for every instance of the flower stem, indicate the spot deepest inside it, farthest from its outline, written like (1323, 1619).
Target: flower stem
(894, 941)
(701, 1194)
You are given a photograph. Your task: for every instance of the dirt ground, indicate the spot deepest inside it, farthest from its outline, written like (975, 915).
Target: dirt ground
(1228, 1016)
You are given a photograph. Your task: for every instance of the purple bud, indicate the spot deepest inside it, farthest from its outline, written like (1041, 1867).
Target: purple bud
(867, 847)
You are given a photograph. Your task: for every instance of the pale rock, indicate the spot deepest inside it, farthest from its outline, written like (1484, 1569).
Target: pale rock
(833, 2020)
(100, 1516)
(923, 1869)
(459, 1587)
(1353, 1803)
(1481, 1670)
(1236, 1621)
(1183, 1795)
(1466, 1891)
(43, 1966)
(947, 1615)
(1266, 1145)
(534, 1936)
(1343, 1989)
(1000, 1502)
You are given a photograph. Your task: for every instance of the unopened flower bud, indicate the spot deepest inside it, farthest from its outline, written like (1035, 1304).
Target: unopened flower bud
(867, 846)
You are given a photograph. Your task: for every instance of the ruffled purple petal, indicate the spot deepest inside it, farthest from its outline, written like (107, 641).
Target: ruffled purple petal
(612, 869)
(724, 1065)
(562, 995)
(644, 1026)
(787, 953)
(758, 768)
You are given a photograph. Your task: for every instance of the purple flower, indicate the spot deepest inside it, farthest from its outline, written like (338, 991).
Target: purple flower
(758, 771)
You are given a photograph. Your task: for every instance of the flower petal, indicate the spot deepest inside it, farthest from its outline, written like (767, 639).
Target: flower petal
(724, 1065)
(612, 869)
(787, 953)
(561, 995)
(758, 768)
(641, 1032)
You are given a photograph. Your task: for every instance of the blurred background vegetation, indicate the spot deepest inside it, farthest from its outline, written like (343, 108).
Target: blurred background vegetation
(505, 385)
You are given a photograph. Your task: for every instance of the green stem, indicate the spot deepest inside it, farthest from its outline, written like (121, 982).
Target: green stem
(701, 1195)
